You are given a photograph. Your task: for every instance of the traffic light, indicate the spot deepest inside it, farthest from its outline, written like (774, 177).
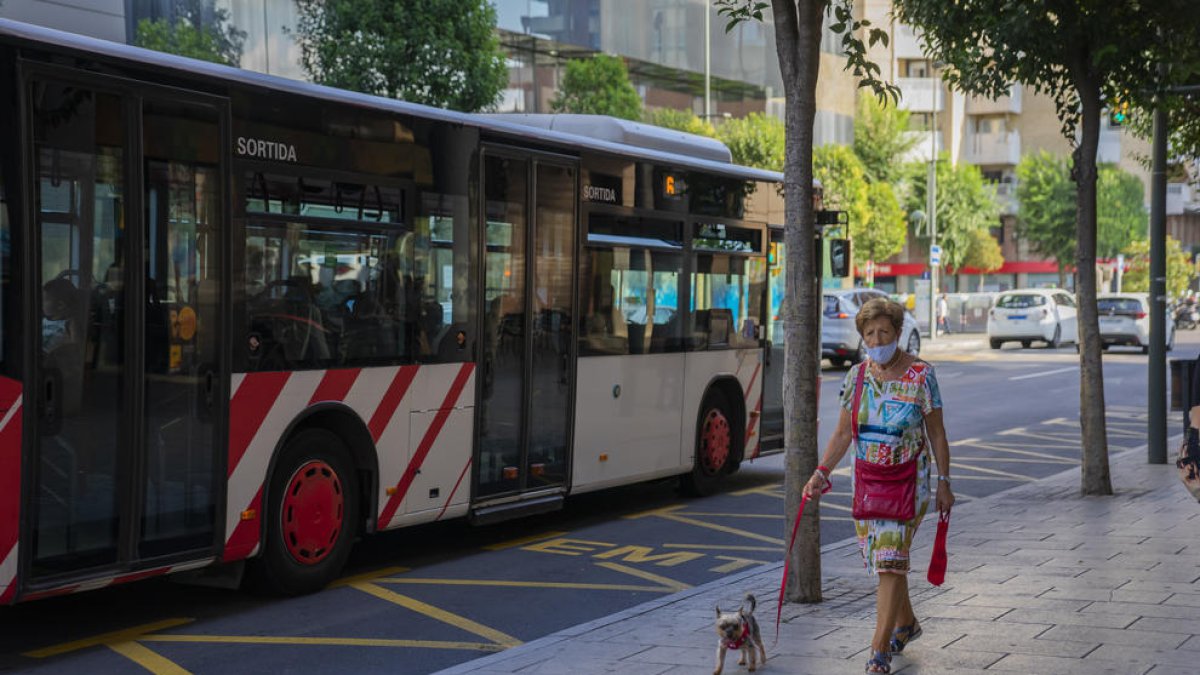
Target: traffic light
(1118, 112)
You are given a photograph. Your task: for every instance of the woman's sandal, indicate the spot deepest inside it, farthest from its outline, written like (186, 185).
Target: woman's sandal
(880, 662)
(904, 635)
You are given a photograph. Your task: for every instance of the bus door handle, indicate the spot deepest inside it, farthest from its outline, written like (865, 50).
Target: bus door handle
(52, 401)
(208, 389)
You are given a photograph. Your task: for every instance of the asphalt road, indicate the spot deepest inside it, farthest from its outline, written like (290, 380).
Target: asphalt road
(422, 599)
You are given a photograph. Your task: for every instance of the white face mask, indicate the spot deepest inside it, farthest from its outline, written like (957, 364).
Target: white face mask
(883, 353)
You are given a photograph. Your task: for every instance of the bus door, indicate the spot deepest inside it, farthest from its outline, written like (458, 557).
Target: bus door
(772, 342)
(127, 245)
(526, 368)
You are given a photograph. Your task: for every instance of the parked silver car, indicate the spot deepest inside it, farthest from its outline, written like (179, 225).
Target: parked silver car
(840, 341)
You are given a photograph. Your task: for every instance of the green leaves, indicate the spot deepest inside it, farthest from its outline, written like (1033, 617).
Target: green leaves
(755, 140)
(443, 53)
(214, 39)
(1180, 271)
(964, 205)
(598, 86)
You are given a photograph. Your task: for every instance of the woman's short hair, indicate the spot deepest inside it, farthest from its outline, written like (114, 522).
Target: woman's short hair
(880, 307)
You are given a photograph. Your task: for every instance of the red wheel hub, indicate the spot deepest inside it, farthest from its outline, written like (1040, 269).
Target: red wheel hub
(312, 512)
(715, 447)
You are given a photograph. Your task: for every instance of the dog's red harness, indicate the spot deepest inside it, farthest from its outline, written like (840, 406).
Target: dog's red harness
(741, 639)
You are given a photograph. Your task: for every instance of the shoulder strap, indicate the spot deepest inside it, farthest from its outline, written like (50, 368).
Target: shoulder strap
(858, 387)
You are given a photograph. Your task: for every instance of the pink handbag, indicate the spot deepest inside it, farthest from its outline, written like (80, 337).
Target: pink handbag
(881, 491)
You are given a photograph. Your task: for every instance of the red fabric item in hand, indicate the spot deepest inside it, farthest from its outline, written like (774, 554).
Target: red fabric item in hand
(937, 563)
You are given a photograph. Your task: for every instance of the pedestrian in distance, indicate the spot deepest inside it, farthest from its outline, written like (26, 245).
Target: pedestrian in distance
(943, 314)
(892, 417)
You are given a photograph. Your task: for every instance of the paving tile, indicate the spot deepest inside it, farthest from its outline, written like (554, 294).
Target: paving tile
(1000, 644)
(1028, 663)
(1135, 638)
(1052, 617)
(1105, 595)
(1164, 611)
(1015, 601)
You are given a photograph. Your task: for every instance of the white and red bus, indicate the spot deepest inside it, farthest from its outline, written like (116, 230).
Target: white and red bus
(250, 319)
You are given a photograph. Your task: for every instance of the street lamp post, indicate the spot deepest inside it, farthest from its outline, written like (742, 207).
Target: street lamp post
(931, 209)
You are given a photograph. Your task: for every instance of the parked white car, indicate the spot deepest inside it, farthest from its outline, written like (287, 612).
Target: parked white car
(1125, 320)
(1047, 315)
(840, 341)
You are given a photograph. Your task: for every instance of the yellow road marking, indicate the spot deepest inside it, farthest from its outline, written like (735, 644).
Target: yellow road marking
(1043, 456)
(772, 516)
(679, 518)
(519, 584)
(735, 564)
(437, 613)
(325, 642)
(515, 543)
(147, 658)
(669, 585)
(126, 635)
(655, 512)
(712, 547)
(772, 490)
(368, 576)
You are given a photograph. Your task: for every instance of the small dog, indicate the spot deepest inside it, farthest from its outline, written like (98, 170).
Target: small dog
(739, 630)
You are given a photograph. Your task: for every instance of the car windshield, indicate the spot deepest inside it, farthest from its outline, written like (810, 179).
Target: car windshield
(1020, 301)
(1118, 305)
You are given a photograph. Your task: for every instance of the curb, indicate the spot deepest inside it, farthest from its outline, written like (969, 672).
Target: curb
(480, 664)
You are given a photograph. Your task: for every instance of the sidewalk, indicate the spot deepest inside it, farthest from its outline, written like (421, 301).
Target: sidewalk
(1040, 581)
(954, 342)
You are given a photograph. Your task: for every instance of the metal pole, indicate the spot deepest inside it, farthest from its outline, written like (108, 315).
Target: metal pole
(932, 207)
(707, 63)
(1157, 381)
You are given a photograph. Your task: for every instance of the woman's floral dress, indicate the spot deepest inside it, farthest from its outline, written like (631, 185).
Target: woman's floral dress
(891, 430)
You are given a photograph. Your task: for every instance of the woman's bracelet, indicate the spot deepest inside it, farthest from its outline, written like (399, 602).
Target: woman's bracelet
(824, 470)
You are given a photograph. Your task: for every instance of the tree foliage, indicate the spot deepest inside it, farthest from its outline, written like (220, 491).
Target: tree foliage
(187, 33)
(756, 140)
(963, 205)
(880, 139)
(843, 184)
(886, 229)
(1047, 215)
(598, 86)
(443, 53)
(1046, 218)
(983, 252)
(1180, 271)
(680, 120)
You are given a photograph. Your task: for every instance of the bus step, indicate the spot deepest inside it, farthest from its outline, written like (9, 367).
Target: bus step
(487, 515)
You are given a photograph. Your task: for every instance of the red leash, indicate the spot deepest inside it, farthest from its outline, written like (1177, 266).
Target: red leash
(787, 561)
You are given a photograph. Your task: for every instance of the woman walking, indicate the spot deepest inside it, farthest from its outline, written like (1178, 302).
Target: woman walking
(892, 412)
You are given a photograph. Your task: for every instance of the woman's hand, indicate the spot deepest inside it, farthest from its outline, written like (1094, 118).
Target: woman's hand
(945, 498)
(815, 485)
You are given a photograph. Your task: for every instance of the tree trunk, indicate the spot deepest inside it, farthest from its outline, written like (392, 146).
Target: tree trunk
(1062, 270)
(1095, 479)
(797, 40)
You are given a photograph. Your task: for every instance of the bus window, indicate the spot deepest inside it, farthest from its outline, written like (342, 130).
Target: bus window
(319, 297)
(630, 301)
(442, 268)
(726, 302)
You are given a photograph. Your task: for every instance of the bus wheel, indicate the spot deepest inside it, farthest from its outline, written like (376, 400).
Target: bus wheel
(310, 516)
(714, 446)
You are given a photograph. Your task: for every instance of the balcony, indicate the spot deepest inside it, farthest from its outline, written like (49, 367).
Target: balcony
(1005, 195)
(906, 43)
(922, 152)
(1010, 104)
(920, 94)
(993, 149)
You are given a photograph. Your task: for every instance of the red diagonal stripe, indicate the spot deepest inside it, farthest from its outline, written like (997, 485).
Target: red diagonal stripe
(335, 385)
(435, 428)
(754, 420)
(753, 377)
(452, 492)
(248, 408)
(391, 401)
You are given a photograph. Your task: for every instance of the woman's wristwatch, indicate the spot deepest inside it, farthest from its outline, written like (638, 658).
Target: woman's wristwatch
(945, 479)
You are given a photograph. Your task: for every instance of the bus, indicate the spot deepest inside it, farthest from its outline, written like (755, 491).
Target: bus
(246, 320)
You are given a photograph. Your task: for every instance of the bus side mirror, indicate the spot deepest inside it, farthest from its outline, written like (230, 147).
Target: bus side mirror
(839, 258)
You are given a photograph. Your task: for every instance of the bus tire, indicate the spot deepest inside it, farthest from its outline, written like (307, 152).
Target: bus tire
(714, 446)
(310, 516)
